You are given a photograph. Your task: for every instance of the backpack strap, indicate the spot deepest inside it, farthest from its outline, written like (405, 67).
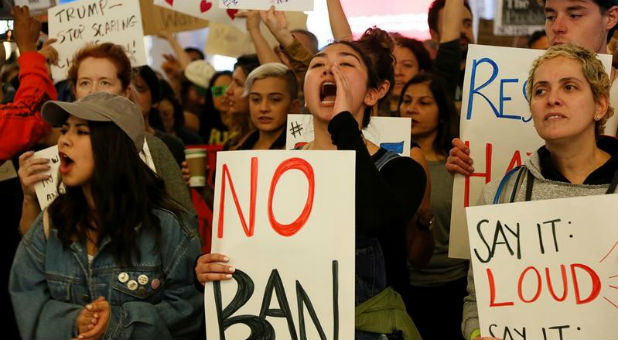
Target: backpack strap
(612, 184)
(520, 169)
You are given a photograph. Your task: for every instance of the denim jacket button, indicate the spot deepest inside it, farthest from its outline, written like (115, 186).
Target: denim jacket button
(123, 277)
(142, 279)
(132, 285)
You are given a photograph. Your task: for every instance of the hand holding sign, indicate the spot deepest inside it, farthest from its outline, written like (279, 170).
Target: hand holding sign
(459, 160)
(211, 267)
(32, 170)
(271, 210)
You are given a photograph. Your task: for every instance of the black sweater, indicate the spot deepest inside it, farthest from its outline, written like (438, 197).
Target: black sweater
(385, 200)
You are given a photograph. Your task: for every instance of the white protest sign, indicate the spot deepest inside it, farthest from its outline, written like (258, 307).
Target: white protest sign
(546, 269)
(286, 221)
(391, 133)
(77, 23)
(47, 190)
(232, 41)
(204, 9)
(280, 5)
(496, 123)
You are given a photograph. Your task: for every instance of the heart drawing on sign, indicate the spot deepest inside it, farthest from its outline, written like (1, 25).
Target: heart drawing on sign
(171, 2)
(205, 6)
(232, 13)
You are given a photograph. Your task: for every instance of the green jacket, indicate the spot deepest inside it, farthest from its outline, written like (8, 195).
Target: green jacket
(385, 313)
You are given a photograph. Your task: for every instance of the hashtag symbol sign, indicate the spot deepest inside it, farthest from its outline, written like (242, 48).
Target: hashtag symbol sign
(296, 129)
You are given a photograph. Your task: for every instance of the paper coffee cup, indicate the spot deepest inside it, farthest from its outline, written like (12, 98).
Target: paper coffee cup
(196, 159)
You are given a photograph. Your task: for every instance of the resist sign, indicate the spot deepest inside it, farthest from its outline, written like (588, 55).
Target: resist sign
(546, 269)
(286, 221)
(495, 123)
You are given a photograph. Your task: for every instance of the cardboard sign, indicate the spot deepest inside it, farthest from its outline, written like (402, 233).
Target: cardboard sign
(7, 170)
(285, 219)
(232, 41)
(497, 125)
(166, 20)
(546, 269)
(88, 21)
(391, 133)
(204, 9)
(280, 5)
(228, 40)
(519, 17)
(47, 190)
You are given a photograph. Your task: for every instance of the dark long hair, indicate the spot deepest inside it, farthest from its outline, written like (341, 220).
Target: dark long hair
(376, 49)
(417, 48)
(125, 192)
(448, 116)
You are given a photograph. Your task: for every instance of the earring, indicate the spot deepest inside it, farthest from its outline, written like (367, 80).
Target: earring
(597, 118)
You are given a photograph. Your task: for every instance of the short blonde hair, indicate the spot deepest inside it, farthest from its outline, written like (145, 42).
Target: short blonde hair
(593, 71)
(277, 70)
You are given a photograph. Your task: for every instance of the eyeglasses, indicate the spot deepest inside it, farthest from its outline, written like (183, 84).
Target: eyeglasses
(218, 91)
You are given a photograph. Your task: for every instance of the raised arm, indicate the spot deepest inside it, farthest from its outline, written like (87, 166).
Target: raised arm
(181, 55)
(263, 50)
(21, 125)
(451, 28)
(338, 21)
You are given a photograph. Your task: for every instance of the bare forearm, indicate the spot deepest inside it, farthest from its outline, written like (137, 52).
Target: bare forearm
(29, 212)
(451, 28)
(263, 50)
(420, 245)
(338, 21)
(183, 58)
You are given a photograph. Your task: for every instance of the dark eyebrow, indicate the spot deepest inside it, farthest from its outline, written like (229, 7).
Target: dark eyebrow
(575, 8)
(348, 54)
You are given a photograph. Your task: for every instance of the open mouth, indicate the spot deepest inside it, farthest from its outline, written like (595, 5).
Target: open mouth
(328, 93)
(66, 163)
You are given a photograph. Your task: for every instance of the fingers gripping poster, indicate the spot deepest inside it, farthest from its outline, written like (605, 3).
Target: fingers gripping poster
(285, 220)
(96, 21)
(546, 269)
(497, 125)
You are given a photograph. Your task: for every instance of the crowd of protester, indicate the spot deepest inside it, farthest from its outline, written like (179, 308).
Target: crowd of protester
(122, 252)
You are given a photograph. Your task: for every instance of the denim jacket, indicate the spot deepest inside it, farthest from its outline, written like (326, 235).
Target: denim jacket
(153, 298)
